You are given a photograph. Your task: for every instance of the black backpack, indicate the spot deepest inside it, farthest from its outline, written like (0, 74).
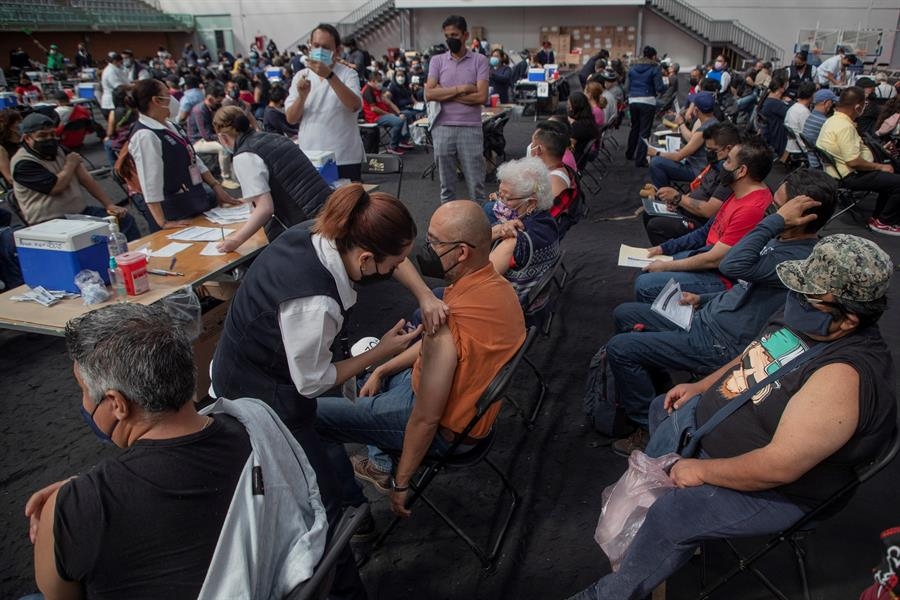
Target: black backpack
(602, 409)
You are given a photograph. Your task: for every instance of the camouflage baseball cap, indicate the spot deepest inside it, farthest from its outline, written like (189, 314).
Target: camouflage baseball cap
(848, 266)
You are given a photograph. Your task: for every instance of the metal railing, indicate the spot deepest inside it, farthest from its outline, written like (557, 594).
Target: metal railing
(722, 31)
(85, 16)
(357, 19)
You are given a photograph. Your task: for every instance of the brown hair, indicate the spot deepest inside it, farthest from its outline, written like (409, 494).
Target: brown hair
(376, 222)
(9, 119)
(594, 91)
(231, 120)
(142, 94)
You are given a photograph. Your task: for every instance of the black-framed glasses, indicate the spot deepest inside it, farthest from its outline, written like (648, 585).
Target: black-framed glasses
(431, 243)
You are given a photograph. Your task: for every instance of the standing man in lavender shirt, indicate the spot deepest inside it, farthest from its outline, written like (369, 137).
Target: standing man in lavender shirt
(459, 81)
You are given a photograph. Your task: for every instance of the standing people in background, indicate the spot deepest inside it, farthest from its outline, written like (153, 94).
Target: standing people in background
(83, 58)
(275, 176)
(798, 72)
(642, 85)
(384, 112)
(189, 55)
(545, 56)
(325, 100)
(359, 58)
(204, 58)
(459, 81)
(202, 135)
(719, 72)
(19, 61)
(112, 77)
(55, 60)
(501, 75)
(170, 173)
(133, 68)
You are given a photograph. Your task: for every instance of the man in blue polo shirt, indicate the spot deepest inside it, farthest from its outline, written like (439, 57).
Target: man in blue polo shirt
(458, 80)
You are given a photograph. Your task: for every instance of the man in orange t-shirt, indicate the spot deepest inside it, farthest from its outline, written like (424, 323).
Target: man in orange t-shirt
(421, 399)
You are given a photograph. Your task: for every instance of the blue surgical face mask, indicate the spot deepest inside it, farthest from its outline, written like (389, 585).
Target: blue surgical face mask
(322, 55)
(88, 417)
(801, 316)
(495, 61)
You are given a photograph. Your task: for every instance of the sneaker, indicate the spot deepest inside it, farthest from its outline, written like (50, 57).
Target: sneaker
(406, 145)
(396, 151)
(230, 184)
(878, 226)
(636, 441)
(366, 471)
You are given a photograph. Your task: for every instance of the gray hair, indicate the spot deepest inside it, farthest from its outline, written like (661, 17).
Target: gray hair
(528, 177)
(138, 351)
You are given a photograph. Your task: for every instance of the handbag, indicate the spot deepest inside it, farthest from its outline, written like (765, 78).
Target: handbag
(678, 431)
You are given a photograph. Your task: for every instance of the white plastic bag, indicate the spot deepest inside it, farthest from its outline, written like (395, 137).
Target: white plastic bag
(184, 308)
(626, 502)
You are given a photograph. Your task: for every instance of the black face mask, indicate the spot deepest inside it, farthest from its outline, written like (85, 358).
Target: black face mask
(375, 277)
(454, 44)
(46, 148)
(712, 157)
(694, 81)
(726, 177)
(430, 262)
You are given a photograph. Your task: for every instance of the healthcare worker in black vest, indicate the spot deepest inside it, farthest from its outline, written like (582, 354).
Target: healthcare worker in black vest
(275, 175)
(291, 307)
(172, 177)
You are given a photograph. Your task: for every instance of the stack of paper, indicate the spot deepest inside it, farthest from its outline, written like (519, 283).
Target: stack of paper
(201, 234)
(227, 216)
(629, 256)
(658, 209)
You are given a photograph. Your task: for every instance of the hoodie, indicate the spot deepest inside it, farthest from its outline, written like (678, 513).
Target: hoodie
(644, 81)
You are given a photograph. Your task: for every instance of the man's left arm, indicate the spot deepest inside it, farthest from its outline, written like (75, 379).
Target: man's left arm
(744, 260)
(95, 190)
(702, 261)
(46, 574)
(482, 76)
(818, 420)
(439, 360)
(346, 87)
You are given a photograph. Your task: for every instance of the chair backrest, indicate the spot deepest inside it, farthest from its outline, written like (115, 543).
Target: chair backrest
(10, 197)
(382, 164)
(538, 290)
(497, 387)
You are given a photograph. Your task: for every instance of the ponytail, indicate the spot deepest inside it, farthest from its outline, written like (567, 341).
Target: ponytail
(376, 222)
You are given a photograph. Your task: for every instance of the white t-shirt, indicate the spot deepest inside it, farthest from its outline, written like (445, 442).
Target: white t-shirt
(794, 120)
(562, 174)
(111, 78)
(831, 65)
(327, 124)
(252, 173)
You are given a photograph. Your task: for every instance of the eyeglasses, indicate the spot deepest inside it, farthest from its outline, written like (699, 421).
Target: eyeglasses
(497, 196)
(431, 242)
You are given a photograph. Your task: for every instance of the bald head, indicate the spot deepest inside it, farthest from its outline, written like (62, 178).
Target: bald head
(463, 221)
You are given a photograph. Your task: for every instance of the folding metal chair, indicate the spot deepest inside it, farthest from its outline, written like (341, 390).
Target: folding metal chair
(433, 465)
(847, 198)
(318, 586)
(795, 533)
(384, 164)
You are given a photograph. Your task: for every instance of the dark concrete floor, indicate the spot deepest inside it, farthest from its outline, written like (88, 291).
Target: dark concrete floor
(559, 468)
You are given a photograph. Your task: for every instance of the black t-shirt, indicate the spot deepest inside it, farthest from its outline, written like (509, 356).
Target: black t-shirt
(34, 176)
(145, 524)
(754, 424)
(583, 132)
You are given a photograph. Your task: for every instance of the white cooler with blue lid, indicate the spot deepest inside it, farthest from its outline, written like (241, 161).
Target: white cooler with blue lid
(53, 252)
(325, 164)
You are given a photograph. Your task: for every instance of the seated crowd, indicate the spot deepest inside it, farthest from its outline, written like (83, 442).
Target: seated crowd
(266, 463)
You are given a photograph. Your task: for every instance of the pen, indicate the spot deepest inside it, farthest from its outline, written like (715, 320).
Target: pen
(222, 229)
(172, 264)
(164, 272)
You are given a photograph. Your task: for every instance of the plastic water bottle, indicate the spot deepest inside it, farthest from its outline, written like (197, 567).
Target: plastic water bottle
(116, 240)
(116, 282)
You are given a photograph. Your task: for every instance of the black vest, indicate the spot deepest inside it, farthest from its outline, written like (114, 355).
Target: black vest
(298, 191)
(795, 77)
(250, 359)
(181, 198)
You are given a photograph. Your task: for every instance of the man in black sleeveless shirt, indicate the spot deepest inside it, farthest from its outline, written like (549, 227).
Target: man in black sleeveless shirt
(798, 440)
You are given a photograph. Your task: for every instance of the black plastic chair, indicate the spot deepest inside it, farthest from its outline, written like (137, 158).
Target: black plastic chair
(847, 198)
(318, 586)
(384, 164)
(433, 465)
(795, 533)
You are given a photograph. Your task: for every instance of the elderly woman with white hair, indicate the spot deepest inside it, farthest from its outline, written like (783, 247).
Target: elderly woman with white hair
(525, 236)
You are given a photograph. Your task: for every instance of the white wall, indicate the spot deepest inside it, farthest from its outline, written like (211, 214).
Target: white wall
(681, 48)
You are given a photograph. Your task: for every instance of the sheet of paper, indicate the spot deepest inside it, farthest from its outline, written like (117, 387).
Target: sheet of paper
(201, 234)
(673, 143)
(664, 133)
(210, 250)
(658, 209)
(227, 216)
(676, 106)
(629, 256)
(669, 306)
(169, 250)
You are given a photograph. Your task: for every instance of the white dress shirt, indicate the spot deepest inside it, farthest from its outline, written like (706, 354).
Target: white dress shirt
(310, 325)
(145, 148)
(111, 78)
(252, 173)
(327, 124)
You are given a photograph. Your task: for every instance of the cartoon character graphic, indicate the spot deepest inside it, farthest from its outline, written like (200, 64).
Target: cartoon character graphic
(762, 358)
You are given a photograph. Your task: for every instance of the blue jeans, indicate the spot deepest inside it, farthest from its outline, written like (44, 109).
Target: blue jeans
(398, 128)
(648, 285)
(676, 524)
(639, 360)
(127, 224)
(379, 421)
(663, 171)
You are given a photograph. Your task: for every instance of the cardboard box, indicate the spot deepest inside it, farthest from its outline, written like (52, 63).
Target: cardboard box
(205, 345)
(573, 59)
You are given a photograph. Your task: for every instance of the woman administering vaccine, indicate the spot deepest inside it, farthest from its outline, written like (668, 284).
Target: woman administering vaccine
(324, 101)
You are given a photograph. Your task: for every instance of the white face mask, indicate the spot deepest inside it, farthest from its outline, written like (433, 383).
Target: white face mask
(401, 80)
(174, 108)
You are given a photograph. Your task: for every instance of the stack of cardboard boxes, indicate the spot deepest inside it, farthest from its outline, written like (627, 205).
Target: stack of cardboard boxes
(574, 45)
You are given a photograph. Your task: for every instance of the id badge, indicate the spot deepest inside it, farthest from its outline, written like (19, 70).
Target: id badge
(348, 390)
(196, 178)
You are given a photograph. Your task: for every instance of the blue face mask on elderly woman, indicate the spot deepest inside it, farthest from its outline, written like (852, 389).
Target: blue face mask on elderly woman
(800, 315)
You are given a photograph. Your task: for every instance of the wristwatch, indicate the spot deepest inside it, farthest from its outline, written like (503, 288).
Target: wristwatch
(330, 75)
(397, 488)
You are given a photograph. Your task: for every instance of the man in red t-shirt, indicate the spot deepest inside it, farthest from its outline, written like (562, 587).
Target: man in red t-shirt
(697, 254)
(378, 110)
(27, 92)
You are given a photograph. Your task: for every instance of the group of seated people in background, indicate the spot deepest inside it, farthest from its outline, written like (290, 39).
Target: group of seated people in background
(763, 287)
